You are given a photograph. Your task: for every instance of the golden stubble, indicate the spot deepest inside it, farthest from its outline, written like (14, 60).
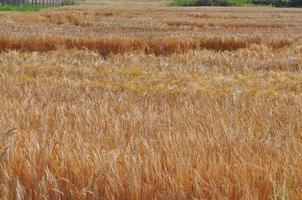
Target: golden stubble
(212, 116)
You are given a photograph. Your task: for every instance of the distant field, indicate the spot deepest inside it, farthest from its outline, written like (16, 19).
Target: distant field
(145, 101)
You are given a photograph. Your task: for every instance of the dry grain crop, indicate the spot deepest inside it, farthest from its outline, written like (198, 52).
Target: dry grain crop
(139, 101)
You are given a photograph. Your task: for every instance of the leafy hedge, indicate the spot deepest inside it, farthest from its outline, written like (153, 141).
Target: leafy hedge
(277, 3)
(209, 2)
(221, 2)
(183, 2)
(294, 3)
(21, 8)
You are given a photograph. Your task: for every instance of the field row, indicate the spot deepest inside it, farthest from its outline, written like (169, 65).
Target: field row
(157, 46)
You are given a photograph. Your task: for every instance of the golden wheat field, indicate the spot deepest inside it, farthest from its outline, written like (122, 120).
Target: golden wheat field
(146, 101)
